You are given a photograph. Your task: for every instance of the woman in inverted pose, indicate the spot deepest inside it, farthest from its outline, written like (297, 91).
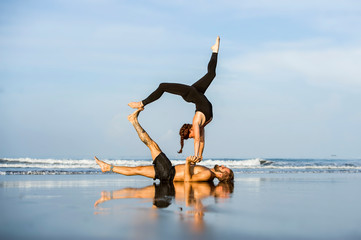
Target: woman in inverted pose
(194, 94)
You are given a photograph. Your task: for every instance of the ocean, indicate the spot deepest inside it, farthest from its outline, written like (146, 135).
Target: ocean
(33, 166)
(277, 199)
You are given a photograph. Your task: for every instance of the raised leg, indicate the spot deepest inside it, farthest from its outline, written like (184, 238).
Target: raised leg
(215, 47)
(202, 84)
(143, 135)
(173, 88)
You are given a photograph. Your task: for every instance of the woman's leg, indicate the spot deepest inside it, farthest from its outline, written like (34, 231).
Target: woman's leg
(173, 88)
(202, 84)
(180, 89)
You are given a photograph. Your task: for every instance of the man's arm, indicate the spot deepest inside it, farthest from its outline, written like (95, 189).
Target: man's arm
(199, 177)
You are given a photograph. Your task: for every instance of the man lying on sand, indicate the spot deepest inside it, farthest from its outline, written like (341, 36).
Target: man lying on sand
(162, 168)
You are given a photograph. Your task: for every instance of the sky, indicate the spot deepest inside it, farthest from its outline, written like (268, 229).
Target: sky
(288, 81)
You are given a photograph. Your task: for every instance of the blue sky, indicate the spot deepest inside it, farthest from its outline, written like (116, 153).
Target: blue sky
(288, 77)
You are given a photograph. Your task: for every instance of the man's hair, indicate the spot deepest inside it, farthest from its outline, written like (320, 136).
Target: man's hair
(227, 186)
(227, 177)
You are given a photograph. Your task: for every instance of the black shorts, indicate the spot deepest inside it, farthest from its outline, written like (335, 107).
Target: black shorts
(164, 194)
(164, 171)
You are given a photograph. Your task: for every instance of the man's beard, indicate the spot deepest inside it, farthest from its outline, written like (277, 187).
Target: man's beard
(216, 168)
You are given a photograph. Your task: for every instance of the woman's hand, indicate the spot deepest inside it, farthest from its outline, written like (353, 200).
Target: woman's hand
(193, 159)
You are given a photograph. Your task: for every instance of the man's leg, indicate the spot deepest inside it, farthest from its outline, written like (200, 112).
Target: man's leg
(145, 192)
(146, 171)
(143, 135)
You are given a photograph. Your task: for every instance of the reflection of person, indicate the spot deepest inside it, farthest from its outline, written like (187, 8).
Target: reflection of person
(162, 193)
(195, 94)
(162, 168)
(190, 194)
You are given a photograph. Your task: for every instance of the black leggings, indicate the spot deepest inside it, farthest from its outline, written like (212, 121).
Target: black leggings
(183, 90)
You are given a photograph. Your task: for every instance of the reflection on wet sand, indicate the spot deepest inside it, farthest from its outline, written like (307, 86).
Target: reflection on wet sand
(189, 194)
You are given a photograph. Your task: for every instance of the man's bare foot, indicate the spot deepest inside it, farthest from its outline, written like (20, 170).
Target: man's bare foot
(215, 47)
(135, 104)
(134, 116)
(105, 167)
(106, 196)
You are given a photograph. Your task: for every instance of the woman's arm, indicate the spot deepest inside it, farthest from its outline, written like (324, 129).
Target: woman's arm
(202, 176)
(197, 140)
(198, 132)
(187, 168)
(201, 143)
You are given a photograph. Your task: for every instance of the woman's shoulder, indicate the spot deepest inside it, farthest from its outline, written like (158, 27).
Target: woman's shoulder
(199, 118)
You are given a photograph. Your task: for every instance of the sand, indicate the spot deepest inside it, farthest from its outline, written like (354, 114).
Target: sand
(262, 206)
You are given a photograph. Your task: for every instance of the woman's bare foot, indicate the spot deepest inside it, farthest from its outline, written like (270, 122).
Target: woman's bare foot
(215, 47)
(134, 116)
(105, 167)
(135, 104)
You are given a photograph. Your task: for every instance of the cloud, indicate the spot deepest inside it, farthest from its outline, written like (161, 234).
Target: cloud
(291, 7)
(337, 23)
(337, 66)
(320, 15)
(275, 6)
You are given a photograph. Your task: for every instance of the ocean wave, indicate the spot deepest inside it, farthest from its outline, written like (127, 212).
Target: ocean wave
(48, 172)
(30, 166)
(236, 171)
(87, 163)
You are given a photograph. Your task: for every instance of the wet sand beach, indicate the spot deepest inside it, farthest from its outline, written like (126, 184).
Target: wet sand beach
(258, 206)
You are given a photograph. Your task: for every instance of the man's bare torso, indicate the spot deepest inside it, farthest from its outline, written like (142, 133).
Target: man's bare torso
(179, 172)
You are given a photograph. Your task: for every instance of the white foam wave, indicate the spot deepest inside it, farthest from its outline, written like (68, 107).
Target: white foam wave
(90, 164)
(313, 167)
(257, 162)
(46, 161)
(66, 163)
(87, 163)
(235, 163)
